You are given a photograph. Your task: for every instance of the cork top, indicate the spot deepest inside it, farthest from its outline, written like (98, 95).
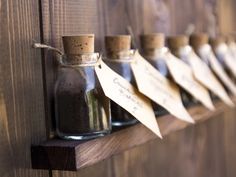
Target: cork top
(214, 42)
(175, 42)
(76, 45)
(198, 39)
(152, 41)
(117, 43)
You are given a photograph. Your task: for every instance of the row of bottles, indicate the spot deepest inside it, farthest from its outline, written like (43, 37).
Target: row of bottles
(82, 109)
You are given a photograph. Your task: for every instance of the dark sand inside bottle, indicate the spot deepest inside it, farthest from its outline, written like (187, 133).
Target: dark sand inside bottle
(175, 43)
(115, 45)
(215, 42)
(82, 109)
(149, 44)
(198, 40)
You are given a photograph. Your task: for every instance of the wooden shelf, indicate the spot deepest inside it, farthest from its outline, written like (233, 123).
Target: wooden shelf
(59, 154)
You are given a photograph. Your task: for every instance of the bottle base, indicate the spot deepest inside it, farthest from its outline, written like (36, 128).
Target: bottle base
(121, 124)
(86, 136)
(160, 113)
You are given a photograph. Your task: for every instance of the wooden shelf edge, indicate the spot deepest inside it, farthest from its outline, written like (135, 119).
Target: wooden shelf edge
(58, 154)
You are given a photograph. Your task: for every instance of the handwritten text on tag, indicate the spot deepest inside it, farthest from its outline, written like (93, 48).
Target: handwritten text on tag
(230, 63)
(124, 94)
(158, 88)
(217, 68)
(224, 51)
(183, 75)
(204, 75)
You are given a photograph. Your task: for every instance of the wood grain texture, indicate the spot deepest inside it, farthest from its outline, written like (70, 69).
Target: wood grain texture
(63, 17)
(109, 17)
(197, 151)
(73, 155)
(189, 152)
(21, 89)
(226, 16)
(112, 17)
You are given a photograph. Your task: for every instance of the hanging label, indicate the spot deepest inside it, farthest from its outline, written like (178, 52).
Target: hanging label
(158, 88)
(206, 52)
(183, 76)
(125, 95)
(204, 75)
(232, 48)
(229, 61)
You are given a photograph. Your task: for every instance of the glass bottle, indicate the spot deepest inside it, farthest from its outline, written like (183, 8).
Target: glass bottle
(175, 44)
(221, 50)
(118, 58)
(231, 45)
(153, 51)
(82, 109)
(198, 41)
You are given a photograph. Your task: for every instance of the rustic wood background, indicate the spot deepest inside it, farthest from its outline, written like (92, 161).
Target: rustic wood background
(27, 75)
(22, 115)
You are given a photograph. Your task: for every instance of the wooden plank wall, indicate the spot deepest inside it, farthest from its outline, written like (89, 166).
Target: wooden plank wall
(22, 116)
(207, 149)
(204, 150)
(227, 16)
(109, 17)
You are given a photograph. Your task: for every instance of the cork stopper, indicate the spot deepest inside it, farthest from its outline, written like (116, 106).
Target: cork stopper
(198, 39)
(152, 41)
(76, 45)
(116, 44)
(214, 42)
(176, 42)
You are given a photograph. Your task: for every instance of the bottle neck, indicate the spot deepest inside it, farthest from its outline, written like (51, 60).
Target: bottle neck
(120, 55)
(154, 53)
(80, 59)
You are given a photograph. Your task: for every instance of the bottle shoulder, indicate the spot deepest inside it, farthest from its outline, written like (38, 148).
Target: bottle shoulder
(76, 79)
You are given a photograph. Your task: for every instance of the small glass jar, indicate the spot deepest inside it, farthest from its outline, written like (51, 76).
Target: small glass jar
(199, 41)
(153, 51)
(214, 43)
(176, 45)
(231, 44)
(118, 59)
(221, 51)
(82, 110)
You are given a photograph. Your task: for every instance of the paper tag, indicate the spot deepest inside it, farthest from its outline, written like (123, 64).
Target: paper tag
(217, 68)
(232, 48)
(158, 88)
(204, 75)
(183, 75)
(229, 61)
(125, 95)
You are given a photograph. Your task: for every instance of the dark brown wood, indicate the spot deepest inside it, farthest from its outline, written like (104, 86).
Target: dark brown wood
(195, 151)
(206, 149)
(226, 18)
(107, 17)
(63, 17)
(110, 17)
(72, 155)
(22, 120)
